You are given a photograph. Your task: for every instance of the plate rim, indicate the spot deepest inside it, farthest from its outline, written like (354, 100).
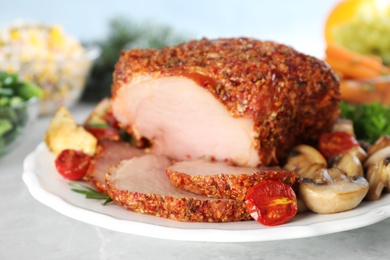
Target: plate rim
(113, 223)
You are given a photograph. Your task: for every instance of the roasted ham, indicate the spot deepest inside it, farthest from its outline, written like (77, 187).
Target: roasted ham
(109, 153)
(141, 185)
(239, 99)
(222, 180)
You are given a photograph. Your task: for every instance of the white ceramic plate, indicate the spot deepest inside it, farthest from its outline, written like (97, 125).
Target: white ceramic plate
(48, 187)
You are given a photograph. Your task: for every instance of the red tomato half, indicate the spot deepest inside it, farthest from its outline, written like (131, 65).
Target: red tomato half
(104, 133)
(111, 120)
(271, 202)
(331, 144)
(72, 164)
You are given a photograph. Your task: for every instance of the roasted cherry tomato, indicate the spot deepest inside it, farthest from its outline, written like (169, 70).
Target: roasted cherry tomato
(331, 144)
(72, 164)
(111, 120)
(271, 202)
(104, 133)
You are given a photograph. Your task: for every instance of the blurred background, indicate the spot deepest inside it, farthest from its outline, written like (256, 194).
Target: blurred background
(74, 47)
(121, 24)
(297, 23)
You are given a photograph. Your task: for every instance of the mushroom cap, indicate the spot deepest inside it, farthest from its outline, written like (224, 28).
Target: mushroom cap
(378, 169)
(377, 156)
(349, 163)
(302, 157)
(378, 176)
(382, 142)
(359, 152)
(332, 191)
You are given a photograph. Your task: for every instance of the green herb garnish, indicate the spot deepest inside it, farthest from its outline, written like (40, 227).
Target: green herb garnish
(90, 193)
(370, 120)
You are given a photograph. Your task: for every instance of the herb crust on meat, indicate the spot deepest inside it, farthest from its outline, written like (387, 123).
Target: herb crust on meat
(291, 97)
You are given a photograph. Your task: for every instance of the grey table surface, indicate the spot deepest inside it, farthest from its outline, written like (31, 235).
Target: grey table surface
(31, 230)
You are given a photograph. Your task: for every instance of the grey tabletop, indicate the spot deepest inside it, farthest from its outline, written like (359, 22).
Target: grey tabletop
(31, 230)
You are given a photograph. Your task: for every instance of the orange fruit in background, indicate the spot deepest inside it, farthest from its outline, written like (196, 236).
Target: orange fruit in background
(347, 10)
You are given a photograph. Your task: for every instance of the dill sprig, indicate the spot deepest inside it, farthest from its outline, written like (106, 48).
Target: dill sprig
(89, 192)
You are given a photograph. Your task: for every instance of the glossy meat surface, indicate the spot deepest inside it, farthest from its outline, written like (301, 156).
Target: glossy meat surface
(283, 96)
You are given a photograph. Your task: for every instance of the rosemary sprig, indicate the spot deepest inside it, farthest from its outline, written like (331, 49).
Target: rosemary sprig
(89, 192)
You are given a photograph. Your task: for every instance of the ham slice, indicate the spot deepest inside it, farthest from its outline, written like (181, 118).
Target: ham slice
(222, 180)
(234, 99)
(109, 153)
(141, 185)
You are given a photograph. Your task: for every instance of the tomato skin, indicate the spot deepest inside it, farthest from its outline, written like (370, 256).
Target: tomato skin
(334, 143)
(72, 164)
(104, 133)
(111, 120)
(271, 202)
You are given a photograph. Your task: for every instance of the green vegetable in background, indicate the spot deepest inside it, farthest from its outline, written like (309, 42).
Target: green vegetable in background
(5, 126)
(370, 120)
(13, 108)
(124, 34)
(14, 92)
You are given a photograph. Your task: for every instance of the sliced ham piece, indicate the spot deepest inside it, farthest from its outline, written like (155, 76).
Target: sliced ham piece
(237, 99)
(109, 153)
(141, 185)
(222, 180)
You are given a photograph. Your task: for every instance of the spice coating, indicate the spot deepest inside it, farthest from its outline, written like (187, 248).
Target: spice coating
(228, 186)
(291, 97)
(189, 209)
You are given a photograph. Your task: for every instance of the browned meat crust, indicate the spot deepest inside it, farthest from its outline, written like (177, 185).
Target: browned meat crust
(291, 97)
(190, 209)
(229, 186)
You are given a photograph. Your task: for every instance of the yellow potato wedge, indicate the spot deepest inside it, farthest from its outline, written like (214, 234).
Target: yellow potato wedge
(97, 115)
(64, 133)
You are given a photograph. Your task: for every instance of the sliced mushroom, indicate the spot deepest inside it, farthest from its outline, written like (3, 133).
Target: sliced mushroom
(378, 178)
(344, 125)
(377, 156)
(378, 173)
(302, 157)
(311, 170)
(359, 152)
(349, 163)
(330, 191)
(382, 142)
